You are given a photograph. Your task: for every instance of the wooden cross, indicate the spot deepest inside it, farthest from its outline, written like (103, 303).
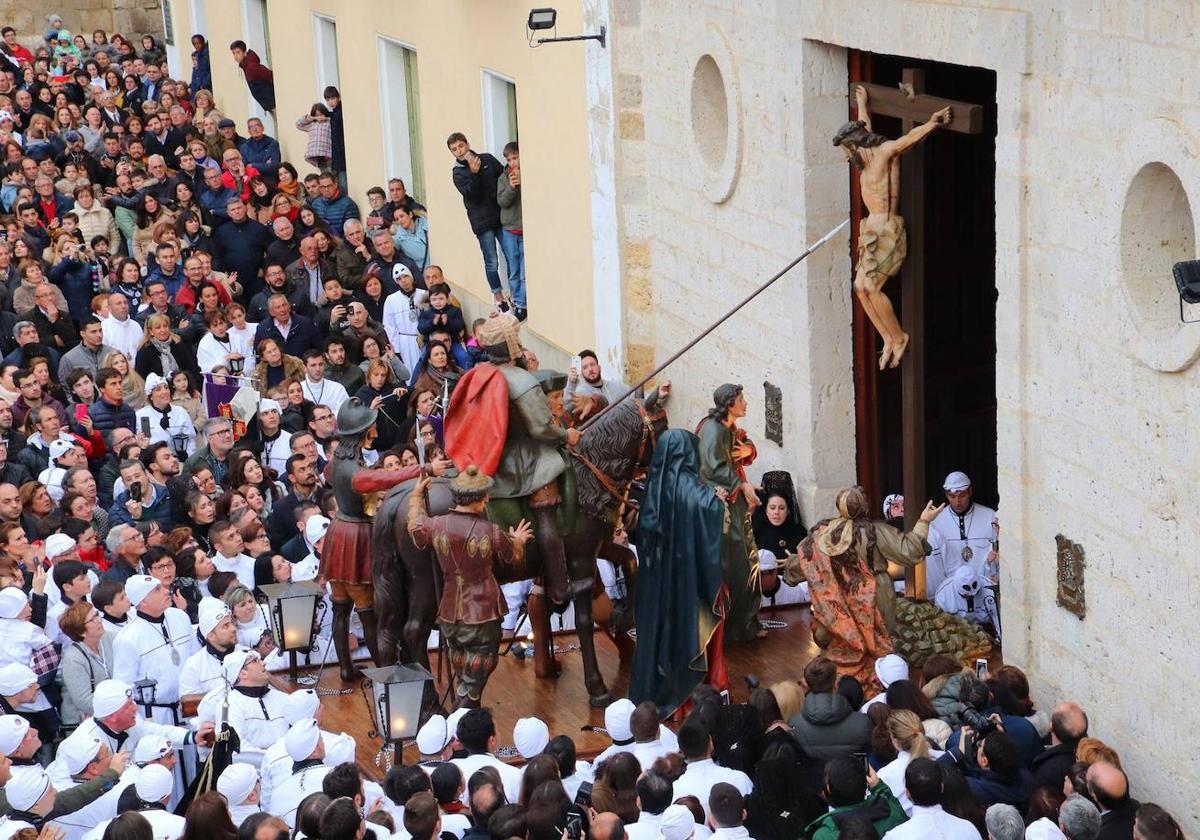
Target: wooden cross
(913, 106)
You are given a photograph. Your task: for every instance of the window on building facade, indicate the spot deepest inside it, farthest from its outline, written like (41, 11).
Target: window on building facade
(401, 111)
(499, 113)
(325, 50)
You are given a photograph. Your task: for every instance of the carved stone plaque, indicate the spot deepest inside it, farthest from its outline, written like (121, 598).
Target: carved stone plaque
(1070, 576)
(773, 411)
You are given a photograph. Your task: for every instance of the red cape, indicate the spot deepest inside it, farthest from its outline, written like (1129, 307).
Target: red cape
(476, 424)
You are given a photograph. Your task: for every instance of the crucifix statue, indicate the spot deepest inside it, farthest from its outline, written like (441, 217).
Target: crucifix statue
(882, 242)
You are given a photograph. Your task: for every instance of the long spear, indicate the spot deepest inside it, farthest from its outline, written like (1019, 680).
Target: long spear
(811, 248)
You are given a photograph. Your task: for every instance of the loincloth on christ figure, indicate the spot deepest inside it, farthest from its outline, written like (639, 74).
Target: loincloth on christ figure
(882, 247)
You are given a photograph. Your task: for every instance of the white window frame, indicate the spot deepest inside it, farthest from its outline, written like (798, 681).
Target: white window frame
(491, 143)
(324, 77)
(393, 126)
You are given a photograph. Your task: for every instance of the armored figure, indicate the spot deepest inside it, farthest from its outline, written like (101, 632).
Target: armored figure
(468, 549)
(346, 554)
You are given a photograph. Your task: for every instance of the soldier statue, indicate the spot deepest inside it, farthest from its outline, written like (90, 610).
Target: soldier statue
(346, 554)
(468, 548)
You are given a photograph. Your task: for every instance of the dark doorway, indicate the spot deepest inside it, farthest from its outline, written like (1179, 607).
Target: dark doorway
(959, 301)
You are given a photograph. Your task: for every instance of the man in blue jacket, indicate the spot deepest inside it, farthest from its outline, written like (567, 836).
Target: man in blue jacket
(996, 774)
(238, 246)
(259, 150)
(152, 505)
(333, 205)
(110, 411)
(215, 197)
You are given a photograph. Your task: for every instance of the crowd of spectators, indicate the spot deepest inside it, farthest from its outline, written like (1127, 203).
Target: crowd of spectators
(145, 241)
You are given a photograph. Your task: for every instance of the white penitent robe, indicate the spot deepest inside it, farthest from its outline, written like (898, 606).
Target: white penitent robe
(958, 540)
(156, 651)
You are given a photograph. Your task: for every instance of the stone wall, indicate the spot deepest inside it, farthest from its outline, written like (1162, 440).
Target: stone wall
(129, 17)
(1097, 171)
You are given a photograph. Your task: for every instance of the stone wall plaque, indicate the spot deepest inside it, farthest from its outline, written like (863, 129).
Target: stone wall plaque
(773, 412)
(1070, 576)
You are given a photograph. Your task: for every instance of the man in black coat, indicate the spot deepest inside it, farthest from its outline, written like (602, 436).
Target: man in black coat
(239, 244)
(302, 334)
(1068, 724)
(277, 283)
(475, 176)
(1108, 787)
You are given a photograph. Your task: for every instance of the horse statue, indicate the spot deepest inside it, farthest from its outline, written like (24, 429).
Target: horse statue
(410, 579)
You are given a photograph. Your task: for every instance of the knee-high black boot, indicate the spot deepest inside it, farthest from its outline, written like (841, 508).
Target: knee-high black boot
(341, 639)
(370, 633)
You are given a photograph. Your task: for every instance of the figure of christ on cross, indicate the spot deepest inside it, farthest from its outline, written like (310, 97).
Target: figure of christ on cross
(882, 245)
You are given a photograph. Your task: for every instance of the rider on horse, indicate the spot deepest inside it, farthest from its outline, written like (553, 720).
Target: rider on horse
(500, 419)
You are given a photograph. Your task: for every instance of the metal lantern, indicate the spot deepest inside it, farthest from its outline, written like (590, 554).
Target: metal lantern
(395, 699)
(145, 694)
(293, 610)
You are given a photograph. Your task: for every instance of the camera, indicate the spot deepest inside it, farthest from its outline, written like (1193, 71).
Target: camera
(977, 721)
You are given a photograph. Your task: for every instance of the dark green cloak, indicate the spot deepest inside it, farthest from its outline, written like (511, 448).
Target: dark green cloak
(679, 575)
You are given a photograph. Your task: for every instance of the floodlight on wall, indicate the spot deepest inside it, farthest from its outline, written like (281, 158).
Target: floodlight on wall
(544, 19)
(1187, 282)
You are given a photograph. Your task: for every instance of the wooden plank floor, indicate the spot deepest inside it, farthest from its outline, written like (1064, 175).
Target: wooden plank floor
(513, 692)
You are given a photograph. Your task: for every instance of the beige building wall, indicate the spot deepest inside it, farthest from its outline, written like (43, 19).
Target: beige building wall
(455, 41)
(1097, 193)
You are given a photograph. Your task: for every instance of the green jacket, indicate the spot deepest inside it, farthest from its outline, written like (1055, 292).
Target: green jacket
(72, 799)
(880, 806)
(509, 199)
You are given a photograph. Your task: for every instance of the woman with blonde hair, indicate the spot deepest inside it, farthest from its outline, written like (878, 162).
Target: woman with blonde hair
(161, 350)
(132, 383)
(790, 697)
(203, 106)
(908, 737)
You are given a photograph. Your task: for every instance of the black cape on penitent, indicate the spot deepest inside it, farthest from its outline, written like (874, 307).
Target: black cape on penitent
(679, 575)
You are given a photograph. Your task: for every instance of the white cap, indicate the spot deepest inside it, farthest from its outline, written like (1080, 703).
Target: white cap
(12, 732)
(339, 751)
(891, 668)
(5, 115)
(12, 601)
(108, 697)
(236, 782)
(767, 562)
(154, 783)
(616, 719)
(15, 678)
(78, 750)
(59, 447)
(211, 612)
(315, 528)
(433, 736)
(138, 587)
(302, 739)
(400, 270)
(956, 481)
(153, 381)
(57, 545)
(235, 661)
(677, 823)
(531, 735)
(24, 789)
(452, 721)
(151, 748)
(268, 405)
(301, 704)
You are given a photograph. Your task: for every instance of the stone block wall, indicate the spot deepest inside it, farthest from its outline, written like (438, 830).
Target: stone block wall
(1097, 195)
(129, 17)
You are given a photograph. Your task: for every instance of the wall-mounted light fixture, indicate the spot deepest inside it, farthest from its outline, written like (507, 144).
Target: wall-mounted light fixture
(544, 19)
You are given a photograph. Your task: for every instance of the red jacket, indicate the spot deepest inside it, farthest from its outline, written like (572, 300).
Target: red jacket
(186, 296)
(231, 183)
